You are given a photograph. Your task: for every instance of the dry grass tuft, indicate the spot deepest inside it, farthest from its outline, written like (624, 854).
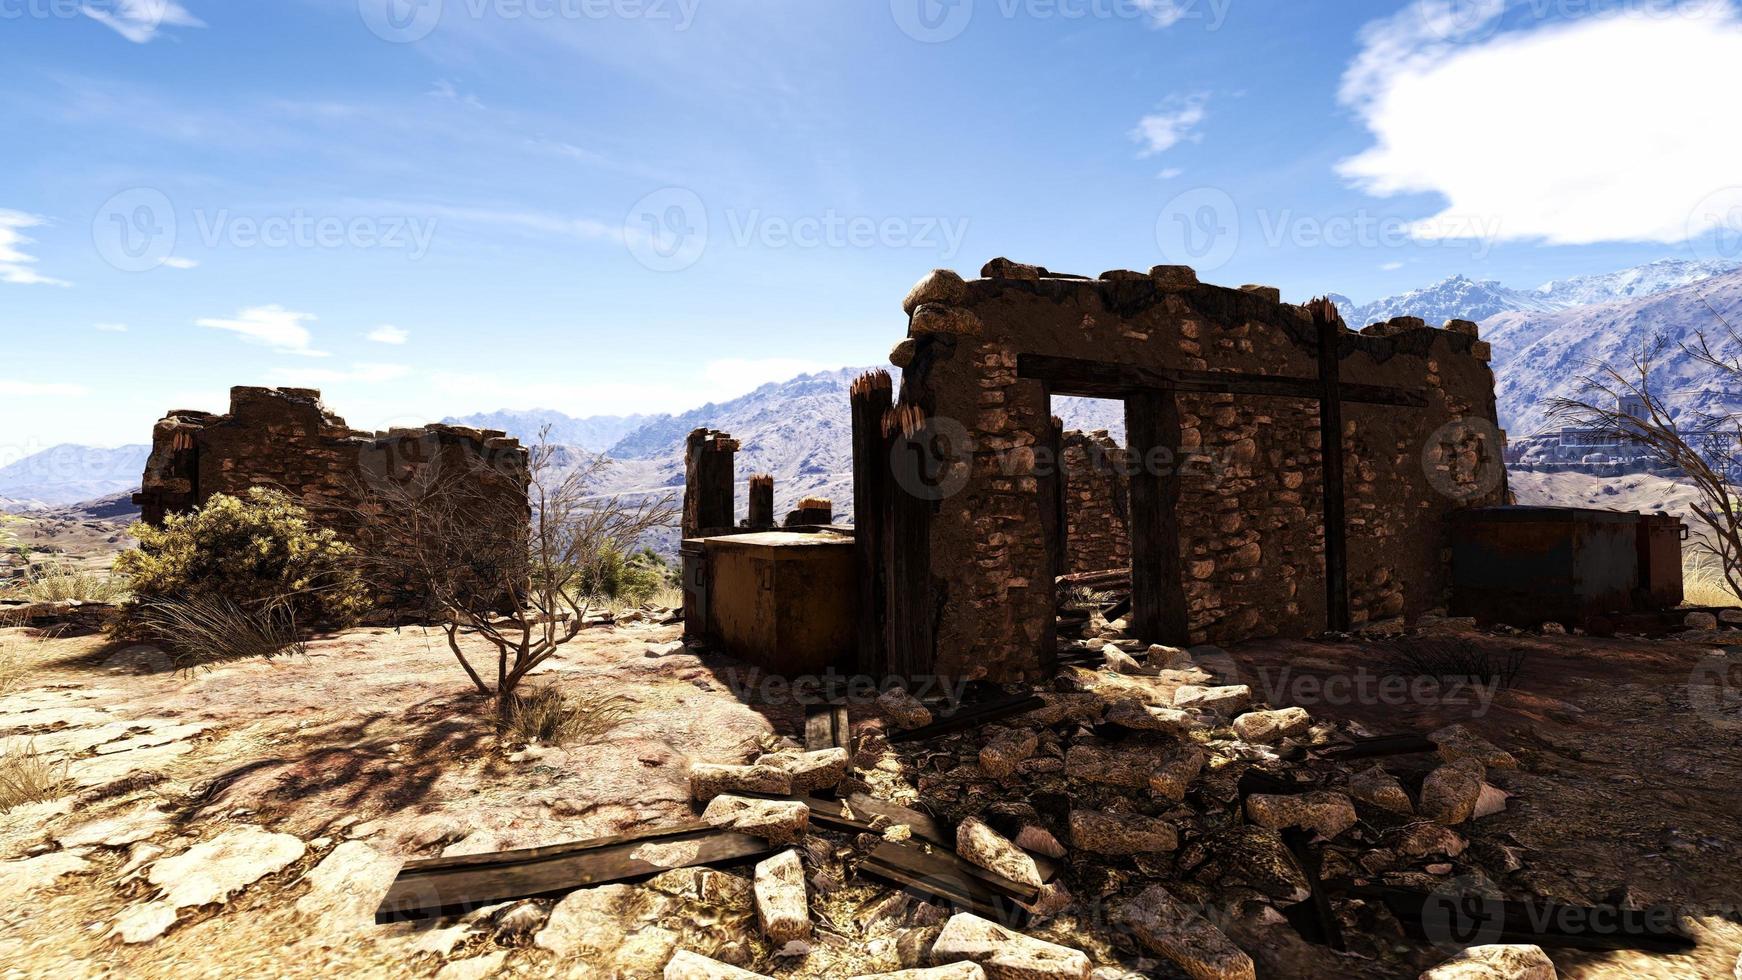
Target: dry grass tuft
(209, 630)
(546, 714)
(1454, 658)
(1703, 583)
(53, 581)
(27, 776)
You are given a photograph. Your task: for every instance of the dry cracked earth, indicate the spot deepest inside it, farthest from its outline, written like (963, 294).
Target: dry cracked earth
(246, 821)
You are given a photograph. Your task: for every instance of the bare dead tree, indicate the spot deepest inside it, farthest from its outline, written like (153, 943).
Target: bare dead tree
(516, 583)
(1706, 446)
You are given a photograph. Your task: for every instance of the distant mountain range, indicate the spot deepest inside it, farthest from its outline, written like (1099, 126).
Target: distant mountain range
(69, 474)
(1463, 298)
(800, 430)
(595, 433)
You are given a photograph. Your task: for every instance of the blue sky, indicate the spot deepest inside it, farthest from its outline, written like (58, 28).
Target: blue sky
(614, 206)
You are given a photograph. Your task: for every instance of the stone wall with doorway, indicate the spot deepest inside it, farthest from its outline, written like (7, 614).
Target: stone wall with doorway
(1096, 502)
(1247, 472)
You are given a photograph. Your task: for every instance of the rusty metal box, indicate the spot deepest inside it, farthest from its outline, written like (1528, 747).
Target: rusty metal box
(784, 601)
(1660, 559)
(1529, 565)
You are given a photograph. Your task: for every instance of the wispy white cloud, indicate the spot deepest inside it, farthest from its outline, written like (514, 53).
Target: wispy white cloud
(1169, 173)
(1465, 103)
(1390, 266)
(140, 20)
(1175, 122)
(111, 327)
(15, 263)
(33, 389)
(269, 326)
(364, 373)
(177, 262)
(444, 89)
(389, 334)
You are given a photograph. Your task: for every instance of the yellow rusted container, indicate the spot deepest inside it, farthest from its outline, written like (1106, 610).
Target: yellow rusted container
(787, 602)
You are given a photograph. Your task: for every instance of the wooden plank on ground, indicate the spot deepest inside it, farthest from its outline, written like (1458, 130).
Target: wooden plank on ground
(826, 726)
(1382, 745)
(971, 716)
(453, 886)
(941, 874)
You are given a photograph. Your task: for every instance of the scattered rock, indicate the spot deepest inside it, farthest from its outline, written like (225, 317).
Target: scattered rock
(475, 968)
(1061, 707)
(145, 922)
(782, 907)
(1137, 716)
(810, 771)
(904, 709)
(18, 879)
(1173, 778)
(991, 850)
(1324, 812)
(685, 965)
(938, 286)
(1169, 927)
(1225, 701)
(210, 872)
(708, 780)
(1005, 954)
(1265, 727)
(1450, 793)
(1700, 621)
(1168, 658)
(1553, 629)
(1125, 768)
(1000, 756)
(1121, 834)
(1458, 742)
(596, 921)
(346, 887)
(776, 821)
(666, 649)
(1495, 962)
(1120, 662)
(952, 971)
(1378, 788)
(1424, 839)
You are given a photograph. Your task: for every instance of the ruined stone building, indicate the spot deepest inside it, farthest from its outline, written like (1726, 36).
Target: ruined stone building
(1238, 523)
(1096, 502)
(284, 438)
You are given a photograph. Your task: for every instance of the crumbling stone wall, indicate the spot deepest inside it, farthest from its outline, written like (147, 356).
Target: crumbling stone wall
(284, 438)
(1096, 501)
(1249, 514)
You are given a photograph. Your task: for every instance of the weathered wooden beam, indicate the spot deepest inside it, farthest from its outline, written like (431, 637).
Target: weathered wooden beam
(939, 873)
(1475, 918)
(1330, 329)
(760, 516)
(708, 487)
(1104, 379)
(870, 398)
(453, 886)
(826, 727)
(971, 716)
(1158, 605)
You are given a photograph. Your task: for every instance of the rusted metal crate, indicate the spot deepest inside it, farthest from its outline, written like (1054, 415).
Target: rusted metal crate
(1660, 559)
(1529, 565)
(785, 601)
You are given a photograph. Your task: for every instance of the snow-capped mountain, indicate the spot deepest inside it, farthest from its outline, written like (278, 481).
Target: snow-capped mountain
(1645, 280)
(1539, 356)
(595, 432)
(1458, 297)
(69, 474)
(1461, 297)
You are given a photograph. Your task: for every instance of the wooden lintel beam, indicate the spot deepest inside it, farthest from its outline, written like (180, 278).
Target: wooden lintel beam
(1103, 379)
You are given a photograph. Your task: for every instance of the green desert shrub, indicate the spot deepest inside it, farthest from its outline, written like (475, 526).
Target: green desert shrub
(625, 579)
(259, 552)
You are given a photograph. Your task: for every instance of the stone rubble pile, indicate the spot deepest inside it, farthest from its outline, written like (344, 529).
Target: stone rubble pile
(1124, 800)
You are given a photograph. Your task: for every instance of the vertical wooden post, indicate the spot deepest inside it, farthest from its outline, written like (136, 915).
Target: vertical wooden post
(909, 625)
(871, 396)
(761, 514)
(1330, 330)
(1158, 606)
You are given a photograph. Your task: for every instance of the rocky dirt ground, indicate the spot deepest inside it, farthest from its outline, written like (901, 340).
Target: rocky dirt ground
(247, 820)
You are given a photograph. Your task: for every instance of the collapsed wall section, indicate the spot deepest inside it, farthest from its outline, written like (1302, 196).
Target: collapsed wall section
(285, 439)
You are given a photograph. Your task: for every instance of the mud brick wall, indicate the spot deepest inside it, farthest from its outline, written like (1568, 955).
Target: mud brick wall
(284, 438)
(1096, 536)
(1250, 513)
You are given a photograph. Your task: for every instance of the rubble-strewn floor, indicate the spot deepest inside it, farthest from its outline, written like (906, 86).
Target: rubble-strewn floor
(246, 821)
